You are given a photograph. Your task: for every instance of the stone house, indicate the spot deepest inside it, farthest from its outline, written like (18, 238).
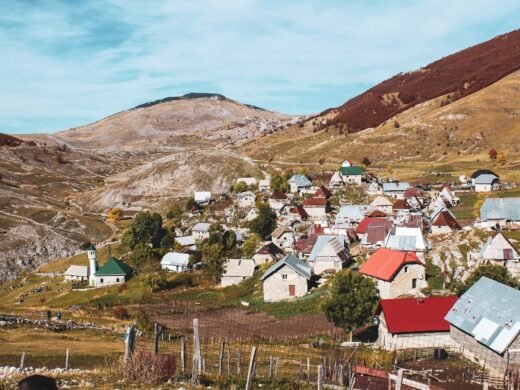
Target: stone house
(503, 212)
(329, 253)
(444, 222)
(498, 250)
(267, 254)
(283, 237)
(286, 279)
(277, 201)
(396, 273)
(246, 199)
(316, 208)
(485, 321)
(300, 183)
(415, 323)
(395, 190)
(236, 271)
(200, 231)
(382, 204)
(264, 185)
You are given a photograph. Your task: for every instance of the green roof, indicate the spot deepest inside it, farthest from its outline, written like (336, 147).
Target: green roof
(91, 247)
(356, 170)
(114, 267)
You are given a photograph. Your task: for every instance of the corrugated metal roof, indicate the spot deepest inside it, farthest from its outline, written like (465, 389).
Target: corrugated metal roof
(77, 270)
(352, 212)
(494, 247)
(395, 186)
(240, 267)
(294, 263)
(201, 227)
(300, 180)
(175, 258)
(490, 312)
(500, 209)
(485, 179)
(322, 242)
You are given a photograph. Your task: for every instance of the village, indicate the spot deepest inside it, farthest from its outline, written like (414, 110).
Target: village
(296, 235)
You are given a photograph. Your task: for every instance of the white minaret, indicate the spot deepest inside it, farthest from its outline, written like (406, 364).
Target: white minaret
(92, 261)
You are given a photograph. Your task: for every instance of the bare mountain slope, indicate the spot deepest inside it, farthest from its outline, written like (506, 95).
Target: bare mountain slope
(204, 116)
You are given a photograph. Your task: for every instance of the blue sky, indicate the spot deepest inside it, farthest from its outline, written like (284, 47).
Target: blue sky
(67, 63)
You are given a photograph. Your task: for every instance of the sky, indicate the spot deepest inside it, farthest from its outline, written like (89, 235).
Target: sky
(68, 63)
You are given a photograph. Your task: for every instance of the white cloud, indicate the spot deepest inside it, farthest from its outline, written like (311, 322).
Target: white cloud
(70, 64)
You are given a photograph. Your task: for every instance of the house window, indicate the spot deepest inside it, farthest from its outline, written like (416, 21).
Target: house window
(414, 283)
(405, 268)
(284, 276)
(101, 280)
(117, 280)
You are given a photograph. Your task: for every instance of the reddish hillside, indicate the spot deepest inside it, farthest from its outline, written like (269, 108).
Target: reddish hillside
(458, 75)
(9, 140)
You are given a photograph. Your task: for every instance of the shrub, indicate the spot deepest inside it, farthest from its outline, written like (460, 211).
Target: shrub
(150, 368)
(120, 313)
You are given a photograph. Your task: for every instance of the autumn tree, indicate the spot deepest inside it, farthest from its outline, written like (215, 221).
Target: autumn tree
(146, 229)
(265, 223)
(250, 245)
(366, 161)
(492, 153)
(279, 183)
(501, 158)
(114, 214)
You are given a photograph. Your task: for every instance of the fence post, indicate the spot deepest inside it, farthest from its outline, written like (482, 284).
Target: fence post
(22, 360)
(238, 360)
(485, 386)
(221, 358)
(250, 371)
(320, 373)
(308, 370)
(270, 366)
(197, 356)
(183, 354)
(228, 359)
(157, 332)
(129, 342)
(67, 360)
(399, 380)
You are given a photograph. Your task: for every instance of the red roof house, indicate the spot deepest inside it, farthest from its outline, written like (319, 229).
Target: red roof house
(417, 315)
(385, 263)
(415, 323)
(444, 222)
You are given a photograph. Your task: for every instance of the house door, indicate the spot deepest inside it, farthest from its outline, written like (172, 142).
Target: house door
(292, 290)
(508, 254)
(414, 283)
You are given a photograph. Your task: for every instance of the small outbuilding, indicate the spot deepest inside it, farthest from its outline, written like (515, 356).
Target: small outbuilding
(287, 279)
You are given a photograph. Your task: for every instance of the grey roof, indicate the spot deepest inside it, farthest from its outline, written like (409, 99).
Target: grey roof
(201, 227)
(323, 241)
(185, 240)
(292, 262)
(77, 270)
(395, 186)
(300, 180)
(500, 209)
(494, 249)
(490, 312)
(485, 179)
(175, 258)
(240, 267)
(352, 212)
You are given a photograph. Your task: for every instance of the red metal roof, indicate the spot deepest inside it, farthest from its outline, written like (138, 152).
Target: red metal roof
(363, 225)
(322, 192)
(385, 263)
(413, 192)
(278, 195)
(417, 315)
(299, 210)
(401, 204)
(315, 202)
(444, 218)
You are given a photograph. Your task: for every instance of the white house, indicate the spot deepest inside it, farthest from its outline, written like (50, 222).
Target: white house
(286, 279)
(175, 261)
(329, 253)
(382, 204)
(251, 214)
(448, 196)
(395, 190)
(76, 273)
(112, 272)
(346, 163)
(300, 183)
(500, 251)
(396, 273)
(202, 197)
(277, 201)
(264, 185)
(336, 181)
(268, 253)
(410, 239)
(187, 242)
(349, 216)
(246, 199)
(444, 222)
(316, 208)
(415, 323)
(503, 212)
(374, 189)
(486, 183)
(236, 271)
(200, 231)
(283, 237)
(351, 175)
